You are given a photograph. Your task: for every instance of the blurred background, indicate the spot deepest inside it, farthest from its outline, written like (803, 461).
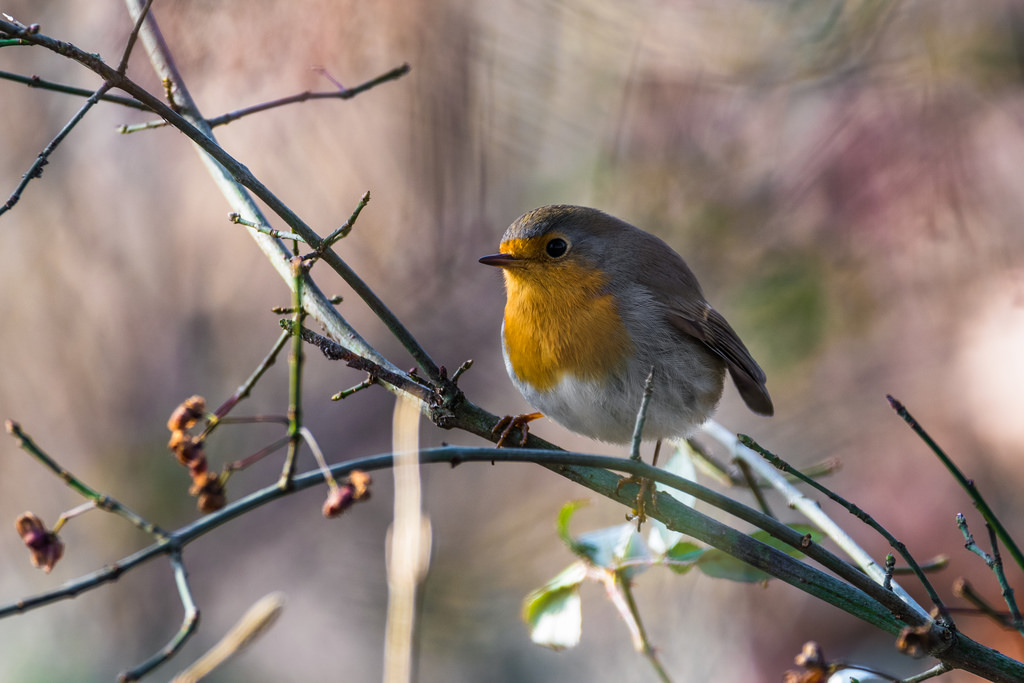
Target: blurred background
(843, 177)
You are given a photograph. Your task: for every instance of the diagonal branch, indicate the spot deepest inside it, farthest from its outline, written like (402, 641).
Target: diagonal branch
(232, 176)
(345, 94)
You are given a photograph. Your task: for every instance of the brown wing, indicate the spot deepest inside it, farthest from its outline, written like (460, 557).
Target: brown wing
(656, 267)
(700, 321)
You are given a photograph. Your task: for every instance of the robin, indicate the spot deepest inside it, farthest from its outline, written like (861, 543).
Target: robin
(594, 306)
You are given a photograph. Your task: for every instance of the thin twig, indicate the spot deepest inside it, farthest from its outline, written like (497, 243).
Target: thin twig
(969, 542)
(345, 393)
(631, 614)
(335, 351)
(896, 544)
(237, 219)
(256, 620)
(188, 625)
(937, 563)
(933, 672)
(68, 515)
(1004, 585)
(341, 232)
(245, 388)
(751, 482)
(101, 501)
(122, 66)
(36, 169)
(249, 460)
(227, 118)
(36, 82)
(318, 455)
(965, 483)
(295, 362)
(964, 590)
(890, 569)
(641, 416)
(811, 509)
(461, 370)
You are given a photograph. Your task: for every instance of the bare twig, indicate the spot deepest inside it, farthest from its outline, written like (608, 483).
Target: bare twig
(265, 229)
(188, 625)
(641, 416)
(341, 232)
(933, 672)
(964, 590)
(245, 388)
(122, 66)
(896, 544)
(36, 82)
(995, 563)
(295, 362)
(620, 591)
(227, 118)
(101, 501)
(335, 351)
(751, 482)
(965, 483)
(810, 509)
(36, 169)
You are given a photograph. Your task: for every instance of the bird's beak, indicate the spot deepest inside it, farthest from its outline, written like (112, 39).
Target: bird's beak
(502, 261)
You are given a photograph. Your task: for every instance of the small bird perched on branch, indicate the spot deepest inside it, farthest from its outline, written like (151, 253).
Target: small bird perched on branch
(593, 306)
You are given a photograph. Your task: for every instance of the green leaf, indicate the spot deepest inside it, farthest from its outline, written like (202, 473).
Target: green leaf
(720, 565)
(553, 613)
(682, 557)
(564, 516)
(613, 546)
(608, 548)
(679, 463)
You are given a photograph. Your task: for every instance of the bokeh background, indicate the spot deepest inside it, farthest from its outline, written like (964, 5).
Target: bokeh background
(844, 177)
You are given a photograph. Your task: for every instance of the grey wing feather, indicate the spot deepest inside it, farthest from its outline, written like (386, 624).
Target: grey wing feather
(707, 325)
(664, 273)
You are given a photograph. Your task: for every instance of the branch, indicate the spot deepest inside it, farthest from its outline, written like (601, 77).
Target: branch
(965, 483)
(99, 500)
(229, 174)
(588, 470)
(896, 544)
(193, 125)
(343, 94)
(809, 508)
(188, 624)
(36, 82)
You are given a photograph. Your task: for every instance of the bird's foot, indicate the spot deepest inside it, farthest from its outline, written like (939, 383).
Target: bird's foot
(510, 423)
(647, 495)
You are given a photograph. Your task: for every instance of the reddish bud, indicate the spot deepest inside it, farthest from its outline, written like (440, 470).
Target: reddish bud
(45, 546)
(341, 498)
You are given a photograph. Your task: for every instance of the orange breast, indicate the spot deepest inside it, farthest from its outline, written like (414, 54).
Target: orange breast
(558, 322)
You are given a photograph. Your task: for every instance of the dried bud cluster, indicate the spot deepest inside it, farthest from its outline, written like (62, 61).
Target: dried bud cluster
(207, 486)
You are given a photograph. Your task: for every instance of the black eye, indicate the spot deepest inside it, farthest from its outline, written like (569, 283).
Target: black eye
(556, 247)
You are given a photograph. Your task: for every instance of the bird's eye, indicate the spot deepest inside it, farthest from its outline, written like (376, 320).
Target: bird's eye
(556, 247)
